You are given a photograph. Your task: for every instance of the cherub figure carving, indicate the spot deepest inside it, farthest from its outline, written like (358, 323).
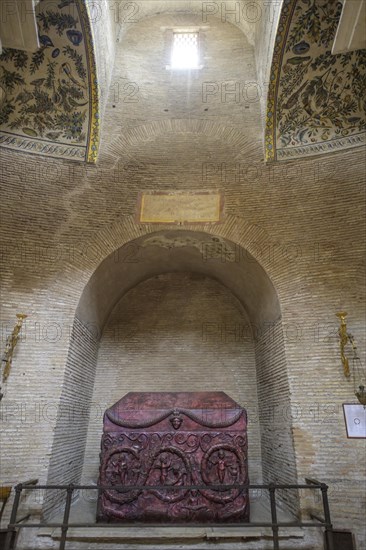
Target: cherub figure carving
(165, 465)
(223, 466)
(123, 470)
(180, 476)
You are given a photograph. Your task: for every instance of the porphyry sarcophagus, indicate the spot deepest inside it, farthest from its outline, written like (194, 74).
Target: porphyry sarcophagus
(168, 442)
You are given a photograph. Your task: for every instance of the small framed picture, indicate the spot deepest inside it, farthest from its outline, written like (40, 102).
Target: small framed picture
(355, 418)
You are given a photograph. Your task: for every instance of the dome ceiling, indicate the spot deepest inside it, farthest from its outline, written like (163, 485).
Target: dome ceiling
(316, 101)
(48, 98)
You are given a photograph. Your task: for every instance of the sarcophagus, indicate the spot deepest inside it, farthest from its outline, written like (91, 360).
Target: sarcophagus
(169, 442)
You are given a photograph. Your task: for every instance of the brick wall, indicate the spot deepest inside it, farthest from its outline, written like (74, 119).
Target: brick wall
(73, 415)
(278, 456)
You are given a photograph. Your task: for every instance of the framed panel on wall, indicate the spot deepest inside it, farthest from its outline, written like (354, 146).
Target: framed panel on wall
(355, 419)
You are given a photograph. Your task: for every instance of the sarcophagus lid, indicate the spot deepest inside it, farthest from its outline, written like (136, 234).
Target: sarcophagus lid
(178, 410)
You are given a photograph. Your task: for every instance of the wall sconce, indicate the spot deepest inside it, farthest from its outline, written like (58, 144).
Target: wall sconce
(11, 342)
(359, 375)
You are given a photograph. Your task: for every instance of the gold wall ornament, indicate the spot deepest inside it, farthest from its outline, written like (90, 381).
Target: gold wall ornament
(361, 395)
(11, 342)
(343, 340)
(359, 374)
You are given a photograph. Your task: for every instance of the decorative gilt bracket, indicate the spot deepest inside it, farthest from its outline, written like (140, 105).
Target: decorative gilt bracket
(358, 372)
(10, 345)
(344, 338)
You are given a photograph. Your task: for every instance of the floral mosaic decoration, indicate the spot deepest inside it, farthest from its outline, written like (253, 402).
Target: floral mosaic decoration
(46, 94)
(320, 98)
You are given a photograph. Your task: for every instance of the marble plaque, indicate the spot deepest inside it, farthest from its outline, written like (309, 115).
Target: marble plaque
(180, 207)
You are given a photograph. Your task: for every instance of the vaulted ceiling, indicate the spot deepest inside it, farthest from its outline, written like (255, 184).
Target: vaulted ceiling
(52, 98)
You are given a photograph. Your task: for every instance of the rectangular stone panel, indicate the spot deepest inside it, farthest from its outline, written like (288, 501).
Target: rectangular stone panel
(180, 207)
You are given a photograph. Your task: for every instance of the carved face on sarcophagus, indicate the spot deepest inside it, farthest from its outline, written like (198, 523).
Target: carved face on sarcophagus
(188, 449)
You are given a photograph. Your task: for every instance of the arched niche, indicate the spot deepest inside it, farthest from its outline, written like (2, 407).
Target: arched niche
(174, 251)
(169, 251)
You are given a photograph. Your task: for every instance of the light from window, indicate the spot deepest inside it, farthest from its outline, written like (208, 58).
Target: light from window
(185, 50)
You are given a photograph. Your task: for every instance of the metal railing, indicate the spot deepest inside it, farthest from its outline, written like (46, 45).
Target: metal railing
(275, 525)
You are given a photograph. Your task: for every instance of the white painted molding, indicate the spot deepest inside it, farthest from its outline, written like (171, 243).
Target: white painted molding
(351, 32)
(18, 27)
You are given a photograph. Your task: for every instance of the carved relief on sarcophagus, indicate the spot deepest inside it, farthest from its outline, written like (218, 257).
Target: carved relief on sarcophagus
(188, 449)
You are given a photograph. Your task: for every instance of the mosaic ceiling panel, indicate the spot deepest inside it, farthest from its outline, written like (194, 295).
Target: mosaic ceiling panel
(316, 101)
(49, 98)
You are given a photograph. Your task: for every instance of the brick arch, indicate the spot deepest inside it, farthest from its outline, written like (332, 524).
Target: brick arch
(224, 134)
(252, 238)
(273, 384)
(236, 229)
